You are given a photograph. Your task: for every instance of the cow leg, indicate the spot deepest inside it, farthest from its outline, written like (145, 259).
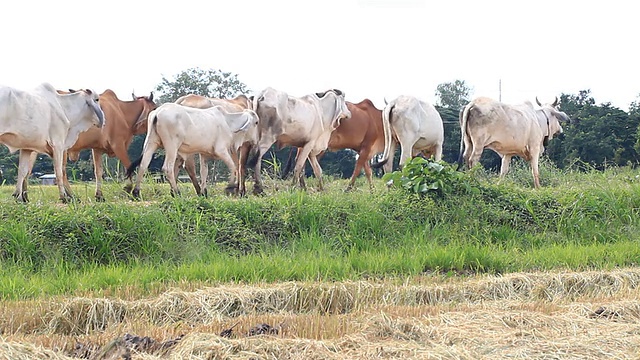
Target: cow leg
(369, 174)
(388, 167)
(535, 171)
(119, 149)
(190, 167)
(171, 154)
(233, 185)
(257, 171)
(204, 174)
(406, 151)
(317, 170)
(504, 166)
(98, 172)
(58, 155)
(474, 155)
(23, 172)
(437, 155)
(298, 171)
(32, 160)
(144, 165)
(65, 177)
(363, 163)
(229, 160)
(243, 155)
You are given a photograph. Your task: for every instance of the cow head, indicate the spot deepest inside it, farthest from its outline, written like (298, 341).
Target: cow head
(340, 109)
(553, 118)
(252, 133)
(91, 99)
(148, 105)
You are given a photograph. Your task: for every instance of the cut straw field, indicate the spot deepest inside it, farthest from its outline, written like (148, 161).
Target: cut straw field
(563, 315)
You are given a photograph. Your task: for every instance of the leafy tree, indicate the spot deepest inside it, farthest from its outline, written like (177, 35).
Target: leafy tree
(209, 82)
(453, 95)
(597, 135)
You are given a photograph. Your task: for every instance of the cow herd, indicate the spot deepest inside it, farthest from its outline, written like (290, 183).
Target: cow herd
(240, 131)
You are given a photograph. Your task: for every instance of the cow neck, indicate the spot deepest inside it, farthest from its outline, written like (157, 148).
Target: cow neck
(134, 112)
(548, 128)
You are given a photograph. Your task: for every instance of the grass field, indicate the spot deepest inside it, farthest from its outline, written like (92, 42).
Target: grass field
(495, 271)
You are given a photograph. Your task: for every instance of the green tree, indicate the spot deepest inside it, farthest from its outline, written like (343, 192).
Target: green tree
(597, 135)
(205, 82)
(453, 95)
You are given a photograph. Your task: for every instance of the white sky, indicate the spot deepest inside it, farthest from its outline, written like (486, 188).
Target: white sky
(367, 48)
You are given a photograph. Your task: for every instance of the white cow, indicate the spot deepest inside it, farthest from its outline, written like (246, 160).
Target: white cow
(184, 131)
(305, 122)
(43, 121)
(508, 130)
(237, 104)
(416, 125)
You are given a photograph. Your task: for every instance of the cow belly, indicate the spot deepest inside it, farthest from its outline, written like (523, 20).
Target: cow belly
(16, 142)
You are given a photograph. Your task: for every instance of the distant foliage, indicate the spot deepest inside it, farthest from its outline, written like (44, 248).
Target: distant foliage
(209, 82)
(453, 95)
(427, 176)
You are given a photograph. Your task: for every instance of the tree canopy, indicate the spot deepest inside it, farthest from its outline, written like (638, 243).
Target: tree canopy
(206, 82)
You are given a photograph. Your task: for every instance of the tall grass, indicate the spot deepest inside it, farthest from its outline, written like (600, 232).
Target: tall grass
(577, 221)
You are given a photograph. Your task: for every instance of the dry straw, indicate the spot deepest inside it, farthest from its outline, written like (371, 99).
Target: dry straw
(560, 315)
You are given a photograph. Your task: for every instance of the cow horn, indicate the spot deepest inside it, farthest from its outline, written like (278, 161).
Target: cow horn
(538, 101)
(385, 101)
(555, 102)
(133, 94)
(151, 96)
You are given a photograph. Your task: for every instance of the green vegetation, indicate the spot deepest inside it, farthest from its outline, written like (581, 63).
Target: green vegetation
(578, 220)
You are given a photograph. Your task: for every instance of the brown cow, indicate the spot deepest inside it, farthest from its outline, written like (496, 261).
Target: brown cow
(237, 104)
(363, 133)
(123, 120)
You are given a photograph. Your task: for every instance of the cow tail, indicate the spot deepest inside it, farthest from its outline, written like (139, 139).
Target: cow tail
(386, 126)
(153, 116)
(464, 116)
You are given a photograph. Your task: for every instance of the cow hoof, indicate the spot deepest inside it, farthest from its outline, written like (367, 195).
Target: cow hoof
(231, 190)
(23, 198)
(257, 190)
(66, 199)
(99, 198)
(349, 189)
(135, 194)
(128, 188)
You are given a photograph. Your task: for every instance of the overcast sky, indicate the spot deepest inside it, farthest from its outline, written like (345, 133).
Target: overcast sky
(367, 48)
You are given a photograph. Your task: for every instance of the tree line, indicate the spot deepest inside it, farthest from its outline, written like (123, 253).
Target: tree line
(598, 136)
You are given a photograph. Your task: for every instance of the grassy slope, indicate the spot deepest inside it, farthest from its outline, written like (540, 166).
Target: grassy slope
(577, 221)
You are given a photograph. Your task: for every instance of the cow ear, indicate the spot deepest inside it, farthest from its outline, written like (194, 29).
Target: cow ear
(71, 91)
(88, 91)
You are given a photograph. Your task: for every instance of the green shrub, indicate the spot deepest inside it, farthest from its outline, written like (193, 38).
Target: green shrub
(427, 176)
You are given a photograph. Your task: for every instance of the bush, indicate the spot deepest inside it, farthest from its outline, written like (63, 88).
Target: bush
(429, 177)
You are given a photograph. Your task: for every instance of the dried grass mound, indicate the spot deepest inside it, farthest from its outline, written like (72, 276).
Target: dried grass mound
(10, 350)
